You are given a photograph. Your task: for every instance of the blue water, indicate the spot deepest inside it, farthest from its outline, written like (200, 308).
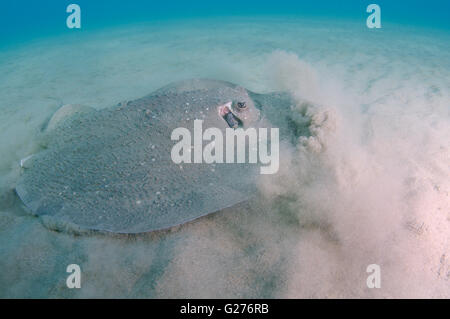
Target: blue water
(25, 20)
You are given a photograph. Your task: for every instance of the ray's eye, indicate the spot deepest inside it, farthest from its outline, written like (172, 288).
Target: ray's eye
(240, 106)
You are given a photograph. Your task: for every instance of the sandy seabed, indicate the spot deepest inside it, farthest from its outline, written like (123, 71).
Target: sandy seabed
(370, 186)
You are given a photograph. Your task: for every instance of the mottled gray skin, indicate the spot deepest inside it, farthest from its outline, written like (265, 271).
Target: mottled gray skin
(111, 170)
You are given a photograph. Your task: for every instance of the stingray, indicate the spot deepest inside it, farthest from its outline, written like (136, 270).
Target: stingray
(111, 170)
